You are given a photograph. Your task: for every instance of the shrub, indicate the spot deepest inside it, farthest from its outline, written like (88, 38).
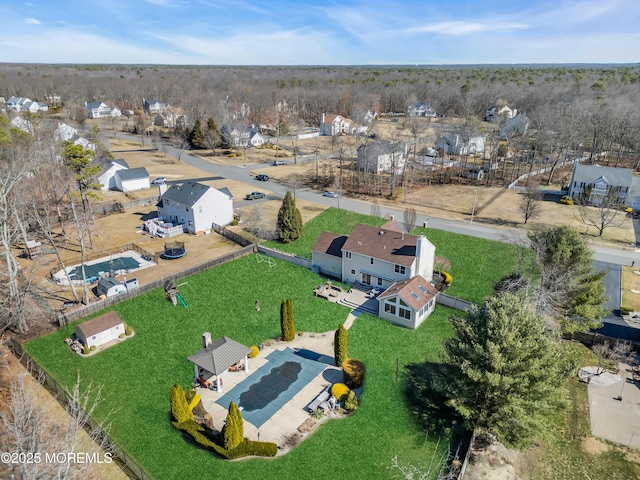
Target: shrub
(86, 350)
(234, 222)
(232, 155)
(193, 398)
(286, 320)
(121, 335)
(179, 404)
(447, 278)
(339, 390)
(92, 348)
(254, 351)
(128, 330)
(351, 402)
(340, 345)
(353, 372)
(233, 431)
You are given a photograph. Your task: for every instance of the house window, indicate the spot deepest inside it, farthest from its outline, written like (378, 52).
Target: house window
(353, 272)
(401, 269)
(187, 209)
(93, 338)
(403, 304)
(347, 255)
(200, 209)
(190, 223)
(379, 281)
(405, 313)
(389, 308)
(371, 260)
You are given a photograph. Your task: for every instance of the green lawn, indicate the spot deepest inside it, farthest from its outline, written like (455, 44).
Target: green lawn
(138, 373)
(476, 264)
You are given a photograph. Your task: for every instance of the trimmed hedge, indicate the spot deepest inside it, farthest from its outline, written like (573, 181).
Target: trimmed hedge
(353, 371)
(340, 345)
(447, 278)
(351, 402)
(254, 351)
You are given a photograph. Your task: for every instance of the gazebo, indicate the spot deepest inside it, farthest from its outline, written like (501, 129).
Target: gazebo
(218, 356)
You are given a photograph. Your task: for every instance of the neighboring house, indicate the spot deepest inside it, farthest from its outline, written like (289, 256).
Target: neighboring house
(455, 145)
(130, 179)
(170, 119)
(332, 125)
(154, 106)
(115, 112)
(516, 125)
(384, 258)
(370, 116)
(97, 109)
(23, 104)
(65, 133)
(196, 206)
(421, 109)
(408, 302)
(496, 114)
(382, 156)
(107, 177)
(109, 287)
(594, 184)
(100, 330)
(84, 143)
(241, 136)
(23, 124)
(256, 140)
(474, 172)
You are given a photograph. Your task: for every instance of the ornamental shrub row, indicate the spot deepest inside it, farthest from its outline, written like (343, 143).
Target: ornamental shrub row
(339, 390)
(447, 278)
(353, 371)
(254, 351)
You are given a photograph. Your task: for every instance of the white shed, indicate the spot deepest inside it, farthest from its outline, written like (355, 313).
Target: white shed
(132, 179)
(109, 287)
(100, 330)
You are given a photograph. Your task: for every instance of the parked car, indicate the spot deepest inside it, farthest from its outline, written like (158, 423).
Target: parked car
(278, 162)
(159, 181)
(262, 177)
(566, 200)
(254, 196)
(330, 194)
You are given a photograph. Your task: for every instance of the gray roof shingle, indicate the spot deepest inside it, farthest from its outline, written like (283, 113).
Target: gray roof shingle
(133, 173)
(220, 355)
(187, 193)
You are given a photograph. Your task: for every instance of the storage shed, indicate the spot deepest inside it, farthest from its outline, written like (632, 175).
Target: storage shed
(100, 330)
(109, 286)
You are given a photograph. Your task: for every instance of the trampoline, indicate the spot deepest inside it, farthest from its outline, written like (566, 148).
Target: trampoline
(174, 250)
(94, 270)
(272, 385)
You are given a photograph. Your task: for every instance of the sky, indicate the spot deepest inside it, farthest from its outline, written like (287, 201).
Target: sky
(330, 32)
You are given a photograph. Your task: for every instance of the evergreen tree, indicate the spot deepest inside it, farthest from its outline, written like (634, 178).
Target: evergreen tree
(233, 430)
(287, 324)
(80, 161)
(340, 345)
(289, 220)
(569, 289)
(196, 140)
(501, 373)
(179, 405)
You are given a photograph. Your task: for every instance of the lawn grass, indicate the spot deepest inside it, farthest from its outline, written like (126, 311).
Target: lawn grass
(476, 264)
(137, 374)
(562, 455)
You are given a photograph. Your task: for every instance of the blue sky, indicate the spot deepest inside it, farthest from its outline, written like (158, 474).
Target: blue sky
(333, 32)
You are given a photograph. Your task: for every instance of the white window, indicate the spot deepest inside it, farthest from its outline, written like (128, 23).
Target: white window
(347, 255)
(353, 272)
(389, 308)
(200, 209)
(405, 313)
(371, 260)
(380, 281)
(401, 269)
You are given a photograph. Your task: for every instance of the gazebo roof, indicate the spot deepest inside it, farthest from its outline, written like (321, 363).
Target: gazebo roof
(220, 355)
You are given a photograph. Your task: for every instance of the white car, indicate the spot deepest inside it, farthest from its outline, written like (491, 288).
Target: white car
(330, 194)
(159, 181)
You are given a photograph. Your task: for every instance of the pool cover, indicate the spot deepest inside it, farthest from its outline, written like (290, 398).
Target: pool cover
(272, 385)
(113, 265)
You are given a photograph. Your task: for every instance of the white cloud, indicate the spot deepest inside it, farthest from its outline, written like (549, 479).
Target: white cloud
(465, 28)
(32, 21)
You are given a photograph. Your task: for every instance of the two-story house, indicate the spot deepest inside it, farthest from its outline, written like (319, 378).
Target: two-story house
(382, 156)
(384, 258)
(23, 104)
(595, 184)
(332, 125)
(196, 206)
(153, 106)
(421, 109)
(97, 109)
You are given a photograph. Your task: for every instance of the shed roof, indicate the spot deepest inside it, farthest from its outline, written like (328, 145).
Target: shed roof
(220, 355)
(99, 324)
(132, 173)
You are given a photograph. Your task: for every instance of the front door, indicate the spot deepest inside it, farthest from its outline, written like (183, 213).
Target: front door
(366, 279)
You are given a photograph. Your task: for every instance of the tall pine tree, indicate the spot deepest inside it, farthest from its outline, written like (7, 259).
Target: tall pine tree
(233, 430)
(289, 220)
(196, 140)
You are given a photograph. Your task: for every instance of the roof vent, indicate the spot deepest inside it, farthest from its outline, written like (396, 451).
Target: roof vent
(359, 243)
(381, 232)
(384, 247)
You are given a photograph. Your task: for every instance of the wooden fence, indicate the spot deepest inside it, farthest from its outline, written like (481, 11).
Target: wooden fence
(287, 257)
(128, 464)
(233, 236)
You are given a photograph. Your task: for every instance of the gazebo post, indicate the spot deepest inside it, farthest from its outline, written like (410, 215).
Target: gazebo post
(195, 372)
(218, 385)
(246, 364)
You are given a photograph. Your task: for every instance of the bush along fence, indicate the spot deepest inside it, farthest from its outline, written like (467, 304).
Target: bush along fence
(65, 317)
(125, 462)
(231, 235)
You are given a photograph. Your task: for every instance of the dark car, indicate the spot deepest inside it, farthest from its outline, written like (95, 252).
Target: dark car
(254, 195)
(262, 177)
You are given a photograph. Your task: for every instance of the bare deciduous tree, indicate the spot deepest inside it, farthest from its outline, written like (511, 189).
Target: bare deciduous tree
(409, 219)
(607, 213)
(531, 203)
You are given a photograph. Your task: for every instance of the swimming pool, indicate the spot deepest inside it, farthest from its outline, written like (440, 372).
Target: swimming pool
(272, 385)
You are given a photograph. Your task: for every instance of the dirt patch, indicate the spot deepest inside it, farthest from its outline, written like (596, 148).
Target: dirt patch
(495, 462)
(594, 446)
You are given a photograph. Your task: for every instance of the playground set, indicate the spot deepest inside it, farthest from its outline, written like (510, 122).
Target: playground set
(173, 294)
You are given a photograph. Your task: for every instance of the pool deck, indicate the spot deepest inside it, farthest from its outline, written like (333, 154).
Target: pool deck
(286, 420)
